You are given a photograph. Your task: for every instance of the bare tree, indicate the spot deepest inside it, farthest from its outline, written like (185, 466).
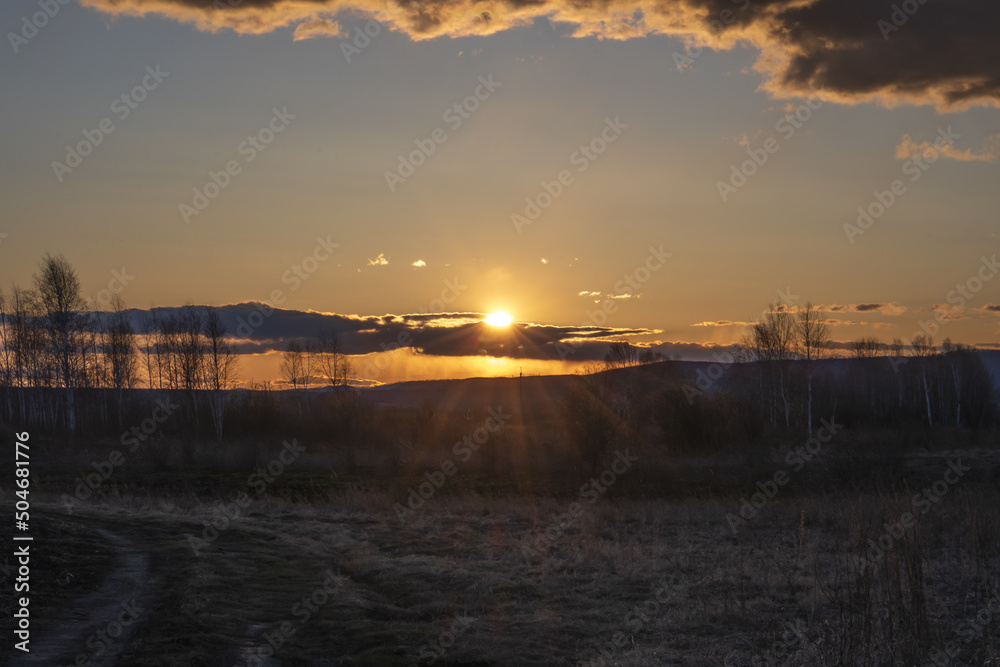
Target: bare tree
(331, 360)
(291, 367)
(7, 358)
(771, 342)
(120, 354)
(221, 368)
(956, 356)
(192, 348)
(868, 347)
(61, 304)
(923, 346)
(308, 362)
(896, 347)
(168, 351)
(813, 336)
(621, 354)
(651, 356)
(149, 330)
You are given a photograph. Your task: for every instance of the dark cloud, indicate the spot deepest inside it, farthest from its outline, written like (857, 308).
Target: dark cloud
(945, 54)
(259, 328)
(883, 308)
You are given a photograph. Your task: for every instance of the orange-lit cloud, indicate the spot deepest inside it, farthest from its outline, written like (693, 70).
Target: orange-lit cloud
(722, 323)
(318, 28)
(948, 312)
(259, 328)
(944, 55)
(908, 149)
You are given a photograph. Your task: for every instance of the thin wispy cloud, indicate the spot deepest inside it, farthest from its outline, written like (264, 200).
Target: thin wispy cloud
(909, 149)
(721, 323)
(891, 309)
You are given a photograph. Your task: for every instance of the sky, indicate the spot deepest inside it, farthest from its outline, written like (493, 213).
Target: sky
(653, 171)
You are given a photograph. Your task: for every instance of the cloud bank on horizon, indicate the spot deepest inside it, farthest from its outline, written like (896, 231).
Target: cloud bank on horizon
(942, 54)
(258, 328)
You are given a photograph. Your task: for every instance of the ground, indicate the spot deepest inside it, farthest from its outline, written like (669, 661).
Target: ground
(324, 571)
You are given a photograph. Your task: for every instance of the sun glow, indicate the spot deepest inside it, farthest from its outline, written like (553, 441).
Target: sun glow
(498, 319)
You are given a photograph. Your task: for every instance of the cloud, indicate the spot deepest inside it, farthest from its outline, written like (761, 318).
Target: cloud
(378, 261)
(990, 308)
(419, 263)
(722, 323)
(891, 309)
(318, 28)
(944, 55)
(948, 312)
(607, 297)
(259, 328)
(908, 149)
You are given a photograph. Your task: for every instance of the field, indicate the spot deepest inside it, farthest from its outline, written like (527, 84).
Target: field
(311, 566)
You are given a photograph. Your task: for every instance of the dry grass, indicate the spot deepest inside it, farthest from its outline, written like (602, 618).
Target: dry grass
(784, 589)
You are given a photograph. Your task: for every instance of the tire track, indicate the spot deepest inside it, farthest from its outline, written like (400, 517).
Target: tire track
(114, 611)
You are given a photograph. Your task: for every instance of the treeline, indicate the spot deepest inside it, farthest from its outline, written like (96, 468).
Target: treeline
(775, 384)
(62, 360)
(66, 367)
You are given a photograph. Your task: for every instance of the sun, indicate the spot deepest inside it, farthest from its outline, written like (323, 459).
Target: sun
(498, 319)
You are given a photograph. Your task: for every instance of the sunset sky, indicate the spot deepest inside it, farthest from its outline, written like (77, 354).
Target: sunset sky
(643, 137)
